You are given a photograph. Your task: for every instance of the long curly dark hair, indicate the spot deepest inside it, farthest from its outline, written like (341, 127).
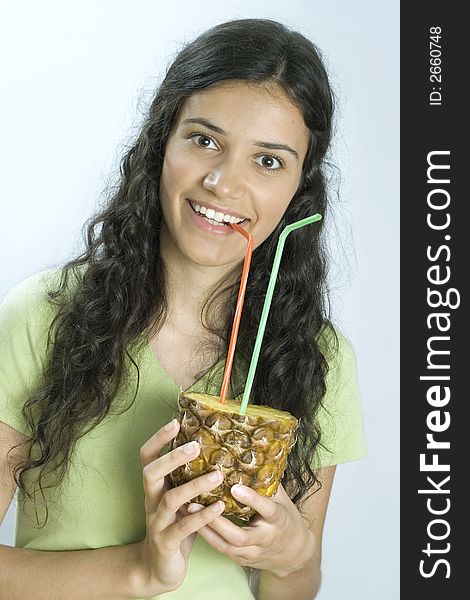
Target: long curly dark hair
(115, 290)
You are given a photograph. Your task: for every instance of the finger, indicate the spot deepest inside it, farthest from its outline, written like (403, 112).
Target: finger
(246, 555)
(154, 473)
(176, 533)
(233, 534)
(173, 499)
(152, 448)
(193, 507)
(264, 506)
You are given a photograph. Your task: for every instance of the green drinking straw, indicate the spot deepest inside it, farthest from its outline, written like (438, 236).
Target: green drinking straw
(267, 304)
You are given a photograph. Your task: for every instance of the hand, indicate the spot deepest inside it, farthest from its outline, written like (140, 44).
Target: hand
(163, 554)
(277, 539)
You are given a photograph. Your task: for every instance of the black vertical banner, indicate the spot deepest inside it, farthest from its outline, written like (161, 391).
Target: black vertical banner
(435, 325)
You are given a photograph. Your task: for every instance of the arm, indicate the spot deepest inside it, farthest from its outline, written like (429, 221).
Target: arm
(303, 584)
(103, 573)
(151, 567)
(284, 543)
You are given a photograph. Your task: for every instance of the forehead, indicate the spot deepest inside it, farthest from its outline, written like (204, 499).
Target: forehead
(260, 112)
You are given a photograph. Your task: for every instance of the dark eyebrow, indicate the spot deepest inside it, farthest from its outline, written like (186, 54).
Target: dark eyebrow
(271, 146)
(267, 145)
(206, 123)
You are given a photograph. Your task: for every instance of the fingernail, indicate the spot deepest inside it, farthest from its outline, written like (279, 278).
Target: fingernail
(214, 476)
(217, 506)
(192, 508)
(238, 490)
(170, 425)
(190, 448)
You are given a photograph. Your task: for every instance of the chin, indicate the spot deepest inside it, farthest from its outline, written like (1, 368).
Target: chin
(212, 262)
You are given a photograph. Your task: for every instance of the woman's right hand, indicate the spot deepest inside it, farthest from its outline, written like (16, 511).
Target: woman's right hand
(163, 554)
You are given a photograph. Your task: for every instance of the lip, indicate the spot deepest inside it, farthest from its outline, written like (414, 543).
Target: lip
(225, 211)
(201, 223)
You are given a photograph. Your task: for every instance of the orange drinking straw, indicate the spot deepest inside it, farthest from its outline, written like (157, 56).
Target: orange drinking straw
(238, 311)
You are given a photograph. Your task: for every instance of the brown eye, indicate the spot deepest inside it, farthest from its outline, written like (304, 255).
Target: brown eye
(271, 163)
(203, 141)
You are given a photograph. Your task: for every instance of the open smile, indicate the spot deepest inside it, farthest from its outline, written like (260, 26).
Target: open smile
(215, 216)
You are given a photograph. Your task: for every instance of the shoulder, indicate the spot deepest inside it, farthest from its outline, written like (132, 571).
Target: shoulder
(27, 300)
(338, 352)
(34, 285)
(340, 415)
(25, 318)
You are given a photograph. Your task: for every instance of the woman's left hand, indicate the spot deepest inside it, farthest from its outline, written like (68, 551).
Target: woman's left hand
(277, 539)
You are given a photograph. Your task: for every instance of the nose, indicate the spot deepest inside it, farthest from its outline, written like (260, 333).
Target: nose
(225, 180)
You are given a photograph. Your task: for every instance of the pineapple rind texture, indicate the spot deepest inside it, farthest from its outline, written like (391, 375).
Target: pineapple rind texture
(250, 449)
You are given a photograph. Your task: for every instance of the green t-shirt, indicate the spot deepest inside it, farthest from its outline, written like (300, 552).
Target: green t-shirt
(101, 501)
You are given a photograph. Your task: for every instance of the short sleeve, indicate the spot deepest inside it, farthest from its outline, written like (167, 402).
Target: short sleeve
(340, 416)
(25, 317)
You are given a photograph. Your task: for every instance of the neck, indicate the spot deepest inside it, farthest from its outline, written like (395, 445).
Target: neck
(188, 286)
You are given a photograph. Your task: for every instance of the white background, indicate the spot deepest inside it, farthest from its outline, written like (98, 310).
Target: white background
(74, 77)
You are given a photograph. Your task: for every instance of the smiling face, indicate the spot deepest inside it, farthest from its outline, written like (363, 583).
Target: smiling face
(236, 151)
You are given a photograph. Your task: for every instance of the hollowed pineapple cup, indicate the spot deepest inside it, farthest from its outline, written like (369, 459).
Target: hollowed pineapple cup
(250, 449)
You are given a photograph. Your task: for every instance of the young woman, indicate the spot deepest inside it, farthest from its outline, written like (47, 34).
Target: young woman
(94, 354)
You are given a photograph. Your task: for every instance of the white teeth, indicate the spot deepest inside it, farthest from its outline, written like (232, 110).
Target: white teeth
(219, 217)
(212, 222)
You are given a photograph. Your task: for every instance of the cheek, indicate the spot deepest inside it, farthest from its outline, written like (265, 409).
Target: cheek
(275, 205)
(283, 198)
(171, 173)
(270, 213)
(172, 183)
